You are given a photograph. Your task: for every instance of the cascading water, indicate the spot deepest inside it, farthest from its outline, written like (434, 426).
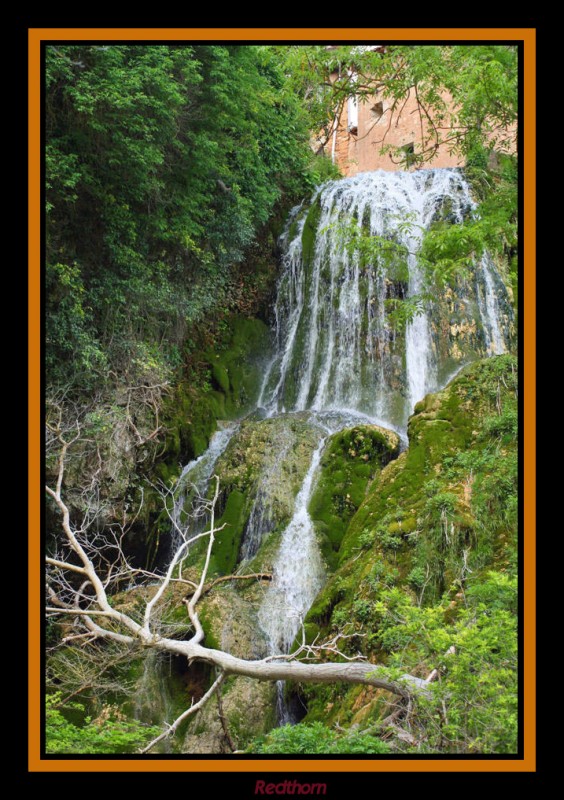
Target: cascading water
(338, 352)
(343, 360)
(337, 344)
(298, 571)
(298, 576)
(194, 480)
(488, 301)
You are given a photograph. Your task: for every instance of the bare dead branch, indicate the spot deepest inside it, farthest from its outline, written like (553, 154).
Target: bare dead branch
(171, 729)
(65, 565)
(89, 602)
(259, 576)
(223, 721)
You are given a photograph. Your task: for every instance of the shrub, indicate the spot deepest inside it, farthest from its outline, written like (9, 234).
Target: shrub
(314, 737)
(110, 733)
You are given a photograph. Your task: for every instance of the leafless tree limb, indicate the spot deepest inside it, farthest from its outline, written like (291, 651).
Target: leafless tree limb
(171, 729)
(90, 601)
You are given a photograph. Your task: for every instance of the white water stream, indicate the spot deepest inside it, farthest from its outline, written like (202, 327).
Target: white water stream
(339, 355)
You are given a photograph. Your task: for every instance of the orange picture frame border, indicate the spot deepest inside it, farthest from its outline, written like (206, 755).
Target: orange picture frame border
(193, 764)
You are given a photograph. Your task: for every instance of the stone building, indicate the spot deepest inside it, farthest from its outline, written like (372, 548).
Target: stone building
(363, 128)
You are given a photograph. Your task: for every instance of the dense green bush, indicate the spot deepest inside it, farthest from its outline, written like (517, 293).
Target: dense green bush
(315, 738)
(110, 733)
(162, 163)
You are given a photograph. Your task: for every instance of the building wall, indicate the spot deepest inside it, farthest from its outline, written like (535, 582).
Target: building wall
(360, 151)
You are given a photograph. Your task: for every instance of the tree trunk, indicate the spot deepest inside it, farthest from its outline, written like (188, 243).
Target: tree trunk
(267, 670)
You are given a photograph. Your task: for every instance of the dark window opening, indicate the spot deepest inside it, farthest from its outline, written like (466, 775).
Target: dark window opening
(377, 110)
(409, 154)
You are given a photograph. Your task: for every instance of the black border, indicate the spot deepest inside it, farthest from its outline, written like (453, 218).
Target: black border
(302, 776)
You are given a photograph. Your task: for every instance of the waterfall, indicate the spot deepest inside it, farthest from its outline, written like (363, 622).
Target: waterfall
(194, 481)
(298, 575)
(337, 344)
(298, 571)
(490, 307)
(342, 358)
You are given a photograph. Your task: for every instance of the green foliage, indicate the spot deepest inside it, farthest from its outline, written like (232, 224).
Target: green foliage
(450, 247)
(322, 169)
(316, 738)
(482, 79)
(366, 540)
(428, 562)
(477, 690)
(162, 163)
(449, 250)
(111, 732)
(503, 426)
(70, 333)
(375, 253)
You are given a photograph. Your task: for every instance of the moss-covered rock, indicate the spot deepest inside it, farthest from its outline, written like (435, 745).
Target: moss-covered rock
(444, 510)
(235, 373)
(350, 460)
(229, 619)
(237, 368)
(444, 426)
(262, 469)
(309, 233)
(248, 709)
(228, 541)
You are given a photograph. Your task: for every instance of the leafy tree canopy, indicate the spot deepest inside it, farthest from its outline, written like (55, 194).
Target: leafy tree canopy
(468, 93)
(162, 162)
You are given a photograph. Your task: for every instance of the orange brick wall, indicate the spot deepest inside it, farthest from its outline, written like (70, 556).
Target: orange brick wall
(361, 152)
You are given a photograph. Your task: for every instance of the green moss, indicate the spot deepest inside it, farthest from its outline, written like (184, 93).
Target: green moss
(445, 423)
(221, 378)
(190, 413)
(167, 473)
(237, 366)
(350, 460)
(293, 230)
(211, 636)
(228, 541)
(309, 233)
(448, 503)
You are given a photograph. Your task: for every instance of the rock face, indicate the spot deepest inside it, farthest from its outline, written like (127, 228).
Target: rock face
(261, 473)
(351, 459)
(413, 521)
(267, 461)
(249, 707)
(444, 508)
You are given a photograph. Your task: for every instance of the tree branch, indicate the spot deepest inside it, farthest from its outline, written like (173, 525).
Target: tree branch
(65, 565)
(270, 668)
(171, 729)
(259, 576)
